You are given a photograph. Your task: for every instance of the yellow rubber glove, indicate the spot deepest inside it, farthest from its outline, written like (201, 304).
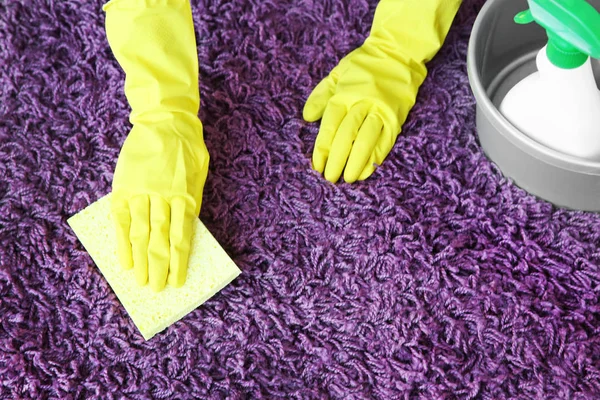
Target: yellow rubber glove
(162, 167)
(366, 98)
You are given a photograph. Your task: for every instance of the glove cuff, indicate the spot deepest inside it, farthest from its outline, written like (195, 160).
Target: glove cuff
(136, 4)
(155, 44)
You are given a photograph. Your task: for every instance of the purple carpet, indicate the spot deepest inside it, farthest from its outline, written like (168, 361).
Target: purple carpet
(436, 278)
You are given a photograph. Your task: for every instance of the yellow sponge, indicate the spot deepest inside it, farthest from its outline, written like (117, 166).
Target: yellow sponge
(210, 270)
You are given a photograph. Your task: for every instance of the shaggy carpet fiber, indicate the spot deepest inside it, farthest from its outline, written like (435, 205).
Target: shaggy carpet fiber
(436, 278)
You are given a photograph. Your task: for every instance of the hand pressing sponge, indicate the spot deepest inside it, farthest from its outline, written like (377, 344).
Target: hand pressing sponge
(210, 269)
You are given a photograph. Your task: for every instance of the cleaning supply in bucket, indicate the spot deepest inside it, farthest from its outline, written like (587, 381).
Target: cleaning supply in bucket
(209, 270)
(559, 105)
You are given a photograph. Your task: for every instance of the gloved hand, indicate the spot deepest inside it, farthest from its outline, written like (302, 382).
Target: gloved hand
(162, 167)
(366, 98)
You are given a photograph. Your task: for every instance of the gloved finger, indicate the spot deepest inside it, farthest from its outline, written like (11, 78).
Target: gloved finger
(365, 142)
(139, 235)
(342, 141)
(333, 117)
(158, 248)
(384, 145)
(182, 220)
(318, 99)
(122, 221)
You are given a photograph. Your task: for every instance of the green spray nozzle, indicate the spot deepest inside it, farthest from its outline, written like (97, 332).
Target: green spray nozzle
(573, 28)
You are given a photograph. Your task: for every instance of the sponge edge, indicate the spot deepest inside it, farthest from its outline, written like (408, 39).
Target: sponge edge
(210, 269)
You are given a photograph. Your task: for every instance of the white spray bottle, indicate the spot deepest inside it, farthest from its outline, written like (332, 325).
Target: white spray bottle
(559, 105)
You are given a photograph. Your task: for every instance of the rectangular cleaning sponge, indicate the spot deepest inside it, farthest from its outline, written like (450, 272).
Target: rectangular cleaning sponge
(210, 270)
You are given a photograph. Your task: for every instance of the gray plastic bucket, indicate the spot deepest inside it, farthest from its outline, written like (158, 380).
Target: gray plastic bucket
(500, 54)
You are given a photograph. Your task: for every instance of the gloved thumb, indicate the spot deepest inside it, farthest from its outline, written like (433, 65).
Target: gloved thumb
(318, 99)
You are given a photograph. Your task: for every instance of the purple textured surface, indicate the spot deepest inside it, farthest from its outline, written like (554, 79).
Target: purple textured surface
(436, 278)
